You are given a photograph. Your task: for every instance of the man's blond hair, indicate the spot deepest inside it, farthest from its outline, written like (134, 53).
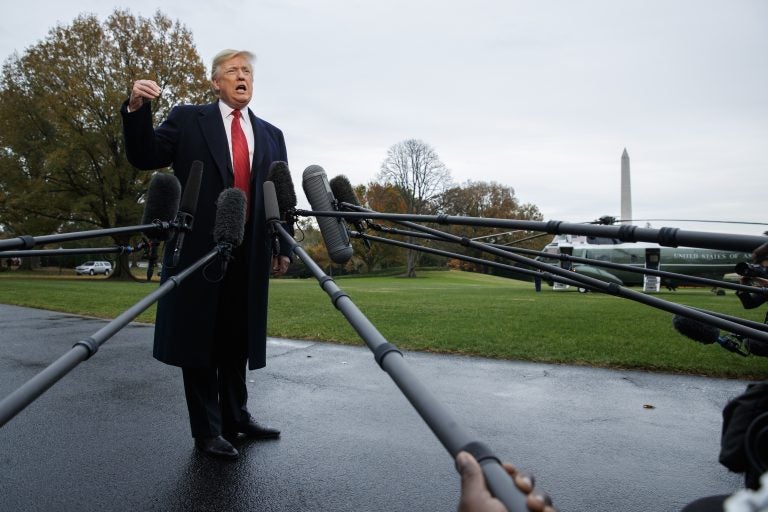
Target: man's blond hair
(225, 55)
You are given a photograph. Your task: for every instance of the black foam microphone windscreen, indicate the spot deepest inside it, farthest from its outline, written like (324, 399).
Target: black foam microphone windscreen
(229, 227)
(280, 175)
(162, 202)
(333, 230)
(695, 330)
(343, 191)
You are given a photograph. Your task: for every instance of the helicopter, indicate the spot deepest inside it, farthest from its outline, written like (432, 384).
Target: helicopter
(707, 263)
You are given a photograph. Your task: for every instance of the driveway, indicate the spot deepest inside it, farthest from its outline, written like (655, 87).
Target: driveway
(113, 434)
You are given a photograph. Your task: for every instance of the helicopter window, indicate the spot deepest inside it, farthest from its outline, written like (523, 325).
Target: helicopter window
(596, 240)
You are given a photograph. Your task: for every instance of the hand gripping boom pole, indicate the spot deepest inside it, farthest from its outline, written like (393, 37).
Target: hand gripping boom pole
(448, 431)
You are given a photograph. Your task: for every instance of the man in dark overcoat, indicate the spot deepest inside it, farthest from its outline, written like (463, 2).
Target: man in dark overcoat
(212, 329)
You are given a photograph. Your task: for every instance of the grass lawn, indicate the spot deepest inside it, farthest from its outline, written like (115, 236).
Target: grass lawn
(451, 312)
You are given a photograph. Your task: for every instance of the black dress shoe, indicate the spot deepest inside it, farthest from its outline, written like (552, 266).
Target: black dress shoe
(216, 447)
(254, 430)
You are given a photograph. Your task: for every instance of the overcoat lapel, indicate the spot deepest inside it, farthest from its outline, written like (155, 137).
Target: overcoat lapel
(260, 145)
(216, 137)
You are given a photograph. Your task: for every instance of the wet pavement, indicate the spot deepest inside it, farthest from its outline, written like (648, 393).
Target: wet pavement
(113, 434)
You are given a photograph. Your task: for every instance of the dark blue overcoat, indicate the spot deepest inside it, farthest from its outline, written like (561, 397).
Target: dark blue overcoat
(186, 329)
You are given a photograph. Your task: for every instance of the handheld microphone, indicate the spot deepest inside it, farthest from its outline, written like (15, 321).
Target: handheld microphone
(344, 193)
(280, 176)
(695, 330)
(272, 213)
(187, 208)
(334, 231)
(229, 227)
(162, 205)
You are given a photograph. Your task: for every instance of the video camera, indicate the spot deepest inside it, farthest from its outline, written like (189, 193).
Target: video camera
(745, 269)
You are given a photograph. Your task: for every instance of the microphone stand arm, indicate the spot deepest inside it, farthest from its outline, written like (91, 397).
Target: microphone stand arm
(598, 285)
(546, 276)
(453, 437)
(119, 249)
(587, 261)
(668, 237)
(27, 242)
(14, 403)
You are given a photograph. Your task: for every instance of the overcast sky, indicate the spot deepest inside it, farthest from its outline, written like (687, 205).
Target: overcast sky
(542, 96)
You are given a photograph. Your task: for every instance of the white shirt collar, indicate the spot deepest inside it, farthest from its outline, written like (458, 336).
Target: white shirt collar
(226, 112)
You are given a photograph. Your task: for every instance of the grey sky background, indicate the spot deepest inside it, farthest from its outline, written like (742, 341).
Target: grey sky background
(542, 96)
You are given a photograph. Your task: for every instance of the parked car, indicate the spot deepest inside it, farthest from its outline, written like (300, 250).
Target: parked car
(94, 267)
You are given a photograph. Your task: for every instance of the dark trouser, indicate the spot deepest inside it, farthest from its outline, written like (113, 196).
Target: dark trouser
(217, 396)
(216, 399)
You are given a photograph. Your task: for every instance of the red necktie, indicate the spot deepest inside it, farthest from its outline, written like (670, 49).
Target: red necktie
(240, 160)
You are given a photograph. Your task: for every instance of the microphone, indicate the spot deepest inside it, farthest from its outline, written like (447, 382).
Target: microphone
(162, 202)
(334, 231)
(280, 176)
(695, 330)
(272, 213)
(709, 334)
(188, 207)
(344, 193)
(745, 269)
(229, 227)
(162, 205)
(271, 203)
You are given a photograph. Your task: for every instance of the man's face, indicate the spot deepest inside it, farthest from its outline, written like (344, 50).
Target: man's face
(234, 82)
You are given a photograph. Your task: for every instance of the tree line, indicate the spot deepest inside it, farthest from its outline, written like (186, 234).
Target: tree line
(63, 165)
(413, 180)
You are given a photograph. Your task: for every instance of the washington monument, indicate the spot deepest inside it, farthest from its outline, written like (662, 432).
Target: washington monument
(626, 189)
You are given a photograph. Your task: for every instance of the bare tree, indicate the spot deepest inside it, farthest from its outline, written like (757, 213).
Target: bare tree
(413, 168)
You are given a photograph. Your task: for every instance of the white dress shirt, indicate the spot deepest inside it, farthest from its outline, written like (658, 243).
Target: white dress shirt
(245, 124)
